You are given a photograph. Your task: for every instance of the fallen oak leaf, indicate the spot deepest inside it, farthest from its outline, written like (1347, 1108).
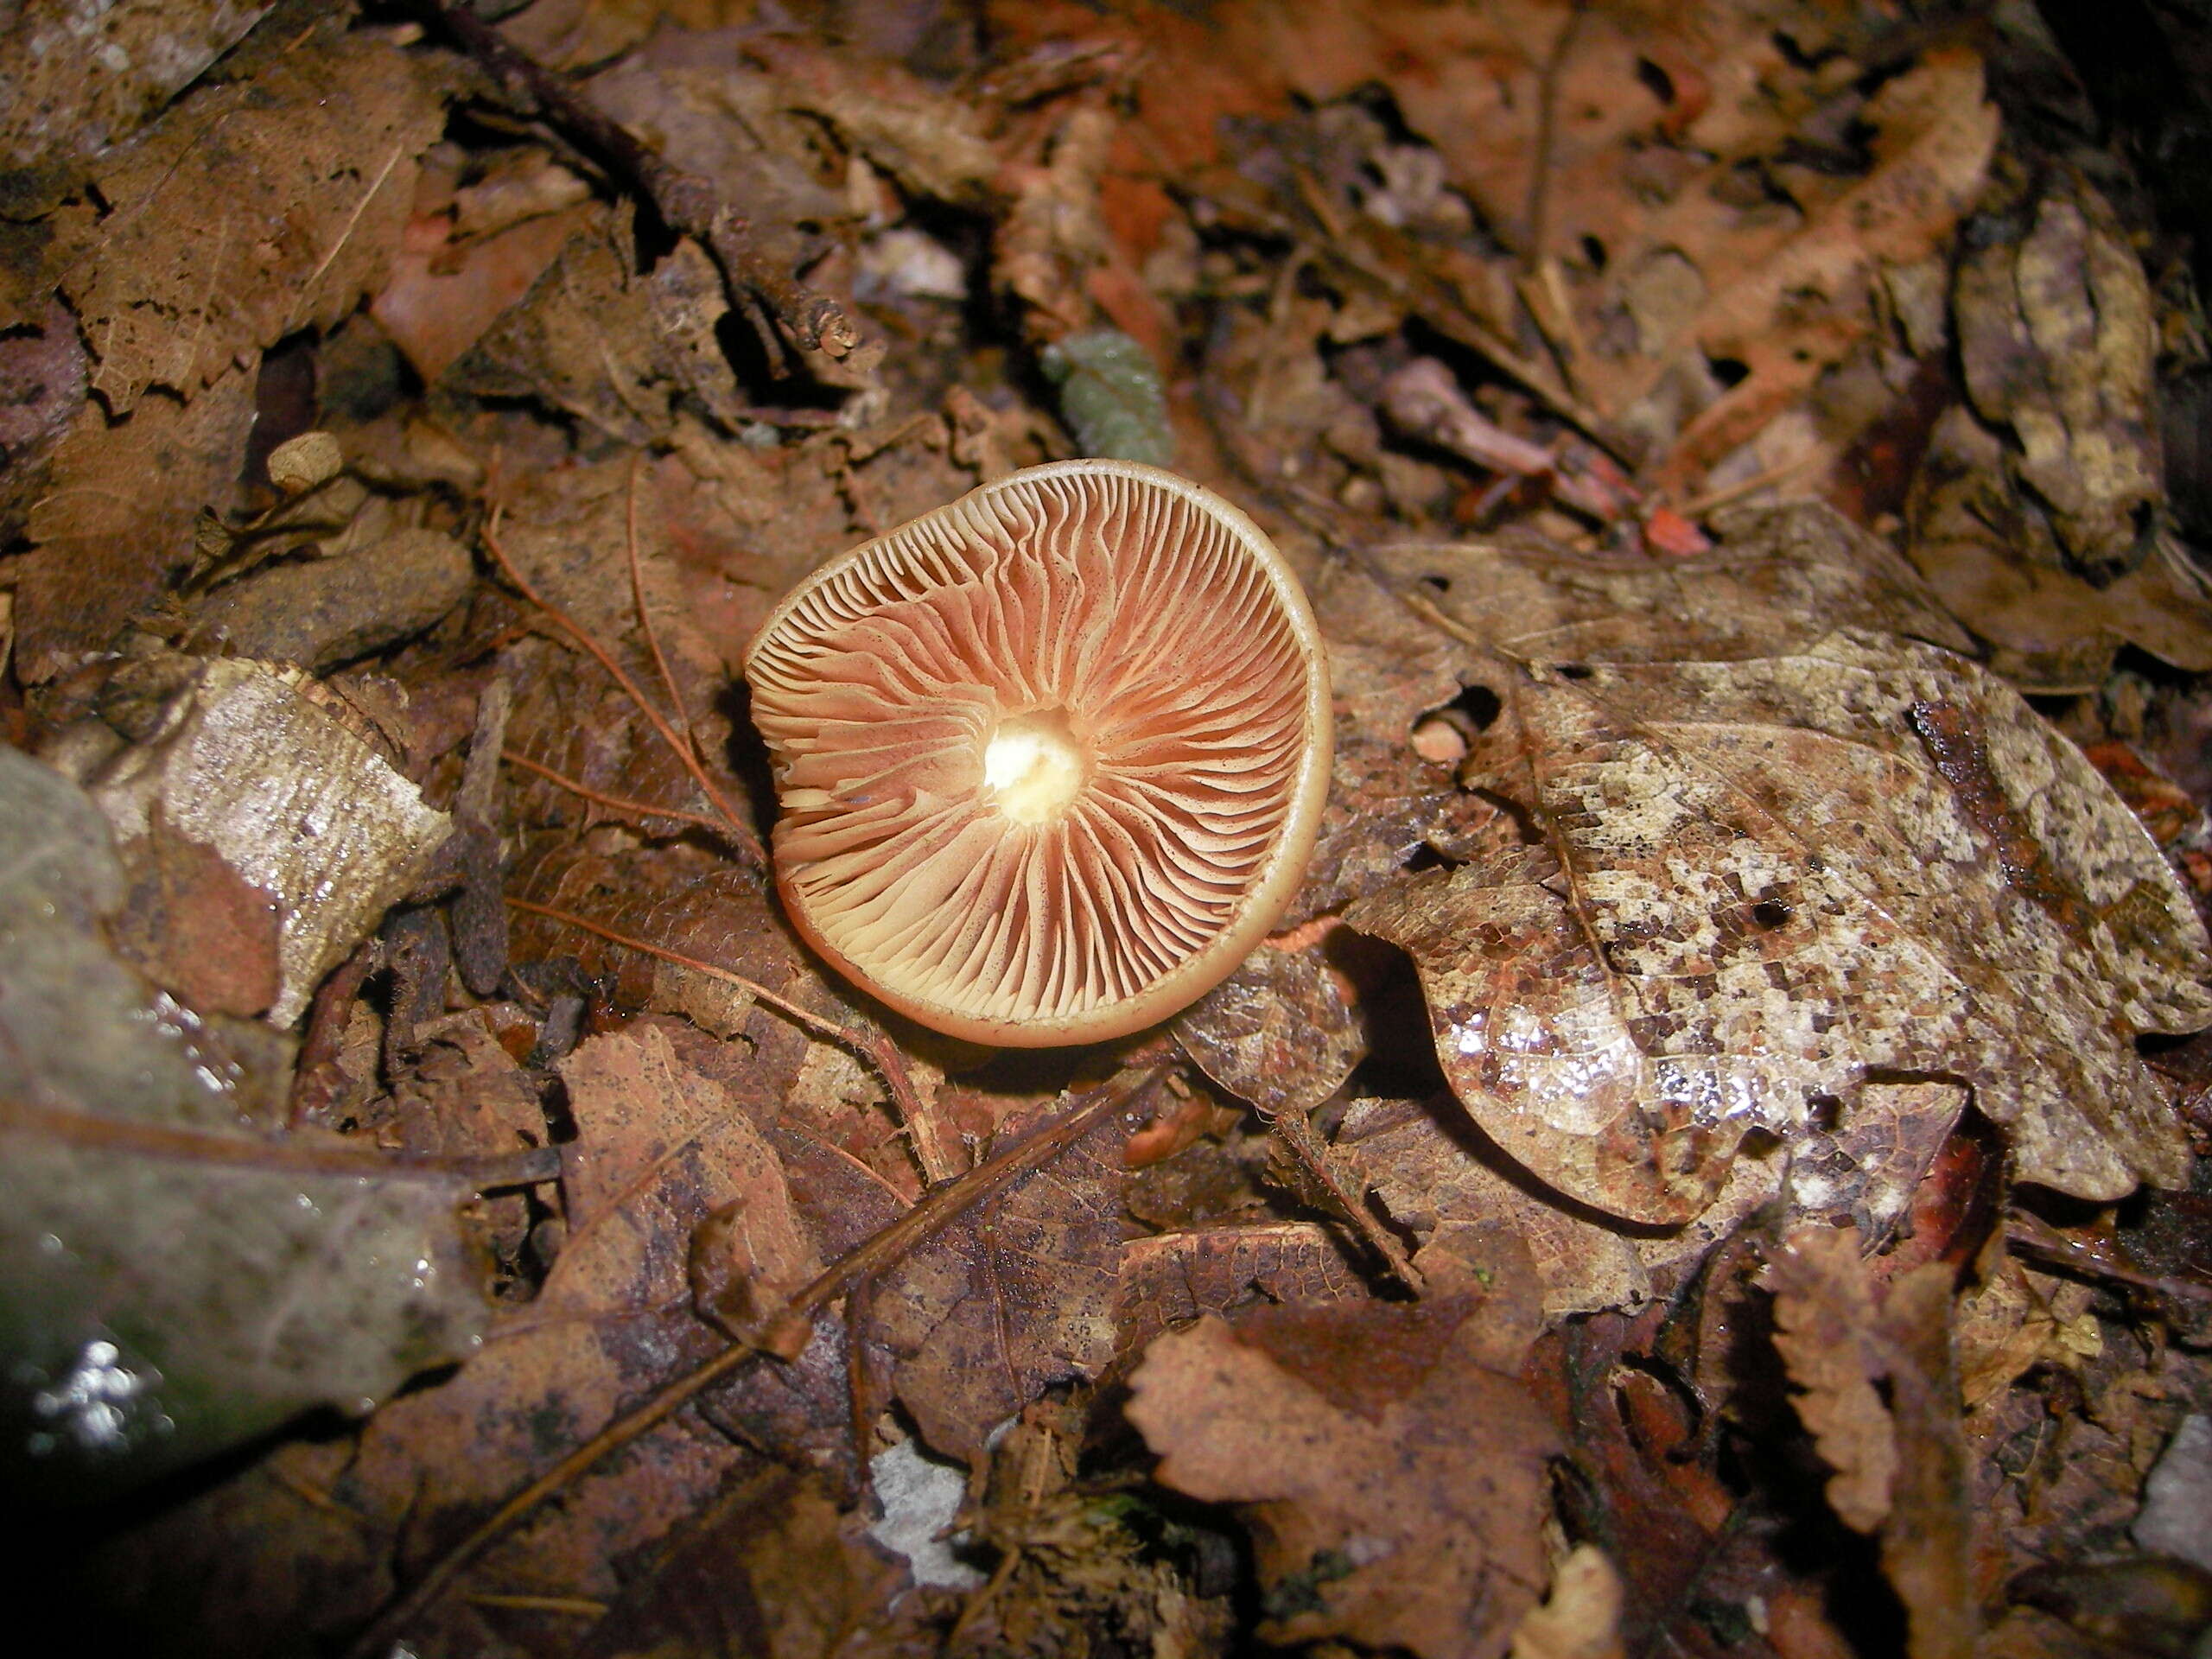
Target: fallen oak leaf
(1015, 1296)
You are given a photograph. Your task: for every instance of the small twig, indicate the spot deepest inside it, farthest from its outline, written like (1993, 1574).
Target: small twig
(1293, 1130)
(621, 804)
(2024, 1235)
(687, 204)
(877, 1049)
(747, 841)
(938, 1210)
(941, 1206)
(1767, 478)
(297, 1155)
(580, 1607)
(645, 617)
(1540, 170)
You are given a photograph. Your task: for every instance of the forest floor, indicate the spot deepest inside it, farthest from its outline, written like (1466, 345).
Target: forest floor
(1711, 1160)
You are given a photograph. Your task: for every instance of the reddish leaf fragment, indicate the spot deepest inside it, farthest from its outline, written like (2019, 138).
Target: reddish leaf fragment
(1897, 1450)
(1394, 1477)
(1015, 1296)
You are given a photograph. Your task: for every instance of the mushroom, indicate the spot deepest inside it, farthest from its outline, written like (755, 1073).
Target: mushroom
(1051, 758)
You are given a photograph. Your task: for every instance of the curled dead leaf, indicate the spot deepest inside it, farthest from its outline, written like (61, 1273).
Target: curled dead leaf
(1765, 880)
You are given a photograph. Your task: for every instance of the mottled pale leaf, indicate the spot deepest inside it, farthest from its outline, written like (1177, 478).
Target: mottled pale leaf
(249, 763)
(1765, 880)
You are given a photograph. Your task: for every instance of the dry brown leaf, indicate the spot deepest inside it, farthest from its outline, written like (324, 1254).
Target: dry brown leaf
(322, 612)
(1785, 317)
(1782, 579)
(43, 366)
(768, 1567)
(1897, 1450)
(248, 212)
(1392, 1475)
(115, 521)
(1765, 879)
(1279, 1033)
(2057, 337)
(1169, 1279)
(196, 927)
(1996, 562)
(1682, 229)
(79, 81)
(659, 1148)
(1431, 1168)
(927, 141)
(609, 348)
(1825, 1325)
(441, 298)
(1014, 1297)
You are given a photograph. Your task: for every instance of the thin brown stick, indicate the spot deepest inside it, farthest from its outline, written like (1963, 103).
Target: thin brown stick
(689, 205)
(941, 1206)
(581, 1606)
(1540, 172)
(621, 804)
(878, 1050)
(938, 1210)
(645, 617)
(1781, 472)
(747, 841)
(297, 1155)
(1296, 1132)
(2026, 1236)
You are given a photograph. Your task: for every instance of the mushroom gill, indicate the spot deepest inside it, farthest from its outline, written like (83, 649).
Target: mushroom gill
(1051, 758)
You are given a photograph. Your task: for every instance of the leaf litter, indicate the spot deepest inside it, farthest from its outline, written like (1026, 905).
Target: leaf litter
(1720, 1090)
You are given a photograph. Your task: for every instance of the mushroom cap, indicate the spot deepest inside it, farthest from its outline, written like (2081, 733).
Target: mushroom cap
(1050, 759)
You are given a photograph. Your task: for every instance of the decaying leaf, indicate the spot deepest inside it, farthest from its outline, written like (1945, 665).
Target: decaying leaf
(245, 762)
(1016, 1297)
(1762, 879)
(77, 83)
(1994, 559)
(249, 211)
(2058, 336)
(171, 1284)
(1278, 1033)
(1898, 1456)
(1391, 1472)
(608, 349)
(107, 539)
(326, 612)
(768, 1567)
(660, 1147)
(1169, 1280)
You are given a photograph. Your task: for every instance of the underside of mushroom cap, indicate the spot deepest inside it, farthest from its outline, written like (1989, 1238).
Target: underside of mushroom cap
(1051, 758)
